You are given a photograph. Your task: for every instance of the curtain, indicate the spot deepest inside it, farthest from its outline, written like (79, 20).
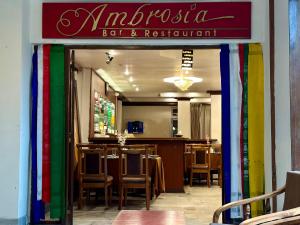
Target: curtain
(242, 79)
(256, 125)
(200, 120)
(48, 133)
(225, 87)
(235, 129)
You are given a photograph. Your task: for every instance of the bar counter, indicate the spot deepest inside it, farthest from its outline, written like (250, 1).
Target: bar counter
(171, 151)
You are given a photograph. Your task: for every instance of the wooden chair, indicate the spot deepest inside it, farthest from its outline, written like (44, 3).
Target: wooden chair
(152, 149)
(200, 161)
(134, 171)
(96, 177)
(290, 207)
(216, 162)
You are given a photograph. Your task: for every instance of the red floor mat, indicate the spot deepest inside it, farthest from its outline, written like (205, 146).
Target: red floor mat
(143, 217)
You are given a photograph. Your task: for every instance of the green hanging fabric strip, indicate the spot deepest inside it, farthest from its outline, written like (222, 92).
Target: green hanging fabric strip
(245, 124)
(57, 132)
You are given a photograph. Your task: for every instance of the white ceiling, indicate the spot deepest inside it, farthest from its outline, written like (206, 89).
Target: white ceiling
(149, 67)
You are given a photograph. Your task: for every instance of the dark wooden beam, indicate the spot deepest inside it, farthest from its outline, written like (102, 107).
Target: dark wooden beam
(214, 92)
(272, 95)
(149, 103)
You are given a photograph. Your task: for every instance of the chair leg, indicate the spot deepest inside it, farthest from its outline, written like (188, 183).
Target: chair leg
(208, 179)
(120, 196)
(80, 198)
(125, 196)
(110, 195)
(148, 197)
(106, 196)
(191, 178)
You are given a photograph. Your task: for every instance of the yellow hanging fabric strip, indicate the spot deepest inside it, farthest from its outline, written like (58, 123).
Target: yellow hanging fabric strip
(256, 125)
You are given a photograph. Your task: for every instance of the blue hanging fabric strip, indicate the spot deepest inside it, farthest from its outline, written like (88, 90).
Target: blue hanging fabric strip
(37, 207)
(225, 86)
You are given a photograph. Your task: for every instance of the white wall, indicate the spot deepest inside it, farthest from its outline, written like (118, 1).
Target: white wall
(157, 120)
(15, 63)
(216, 118)
(184, 118)
(83, 78)
(282, 94)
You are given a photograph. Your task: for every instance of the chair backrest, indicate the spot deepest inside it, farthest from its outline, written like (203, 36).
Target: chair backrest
(152, 149)
(93, 160)
(292, 190)
(187, 148)
(134, 160)
(217, 148)
(200, 155)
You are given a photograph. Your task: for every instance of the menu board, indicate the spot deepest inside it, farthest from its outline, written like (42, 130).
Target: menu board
(104, 115)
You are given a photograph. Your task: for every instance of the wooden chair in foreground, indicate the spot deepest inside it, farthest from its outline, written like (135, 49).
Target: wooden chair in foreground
(132, 159)
(94, 178)
(200, 161)
(291, 210)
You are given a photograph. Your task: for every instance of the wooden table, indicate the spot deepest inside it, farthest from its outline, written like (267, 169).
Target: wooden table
(156, 171)
(171, 151)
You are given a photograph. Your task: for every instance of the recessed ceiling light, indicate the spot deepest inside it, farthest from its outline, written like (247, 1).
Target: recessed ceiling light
(137, 89)
(134, 85)
(130, 79)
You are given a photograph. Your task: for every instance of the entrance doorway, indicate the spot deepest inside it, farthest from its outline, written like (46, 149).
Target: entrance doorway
(130, 80)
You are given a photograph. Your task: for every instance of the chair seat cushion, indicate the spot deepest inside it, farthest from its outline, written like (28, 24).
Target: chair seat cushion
(135, 179)
(96, 179)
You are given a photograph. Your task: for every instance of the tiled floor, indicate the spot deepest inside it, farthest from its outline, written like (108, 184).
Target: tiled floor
(198, 204)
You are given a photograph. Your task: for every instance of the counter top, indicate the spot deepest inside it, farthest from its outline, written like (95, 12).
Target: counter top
(152, 139)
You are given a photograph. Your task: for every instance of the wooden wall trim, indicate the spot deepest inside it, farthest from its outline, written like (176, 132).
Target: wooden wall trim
(272, 95)
(294, 71)
(149, 103)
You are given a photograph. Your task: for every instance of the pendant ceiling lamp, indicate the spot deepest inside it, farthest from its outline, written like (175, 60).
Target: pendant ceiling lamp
(182, 82)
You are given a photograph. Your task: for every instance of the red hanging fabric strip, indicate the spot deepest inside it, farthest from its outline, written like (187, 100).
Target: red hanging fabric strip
(241, 56)
(46, 125)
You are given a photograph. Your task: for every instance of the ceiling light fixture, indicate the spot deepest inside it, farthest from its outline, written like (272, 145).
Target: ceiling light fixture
(137, 89)
(183, 83)
(130, 79)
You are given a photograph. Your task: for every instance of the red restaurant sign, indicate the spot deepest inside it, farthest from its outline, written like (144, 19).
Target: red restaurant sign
(201, 20)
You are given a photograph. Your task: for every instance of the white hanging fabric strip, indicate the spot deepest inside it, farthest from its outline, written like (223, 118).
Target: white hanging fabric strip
(235, 123)
(40, 124)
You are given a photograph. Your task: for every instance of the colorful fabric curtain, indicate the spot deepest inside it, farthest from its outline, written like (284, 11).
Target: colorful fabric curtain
(48, 133)
(242, 78)
(37, 206)
(256, 125)
(235, 129)
(57, 131)
(225, 87)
